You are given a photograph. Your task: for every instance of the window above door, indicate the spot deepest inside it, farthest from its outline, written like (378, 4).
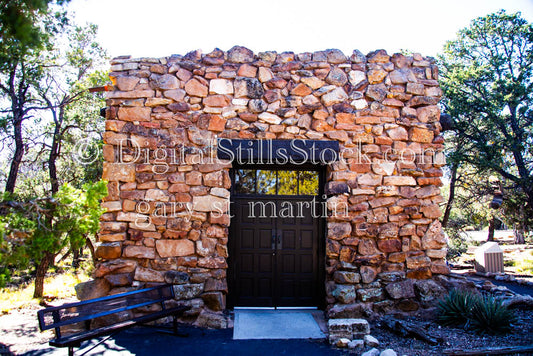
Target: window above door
(276, 182)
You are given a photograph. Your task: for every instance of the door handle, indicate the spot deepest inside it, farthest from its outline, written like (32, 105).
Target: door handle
(279, 242)
(273, 240)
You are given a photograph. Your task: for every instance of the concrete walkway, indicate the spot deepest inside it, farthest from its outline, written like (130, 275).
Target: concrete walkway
(277, 324)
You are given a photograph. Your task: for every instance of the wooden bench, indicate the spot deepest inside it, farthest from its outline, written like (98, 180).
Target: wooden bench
(77, 322)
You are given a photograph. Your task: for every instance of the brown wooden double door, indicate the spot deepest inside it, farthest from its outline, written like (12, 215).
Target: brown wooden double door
(274, 252)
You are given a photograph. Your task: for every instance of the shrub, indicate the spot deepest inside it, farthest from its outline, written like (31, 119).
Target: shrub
(509, 263)
(455, 308)
(470, 311)
(490, 316)
(456, 244)
(5, 276)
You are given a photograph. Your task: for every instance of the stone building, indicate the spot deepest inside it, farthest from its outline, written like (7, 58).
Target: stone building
(274, 179)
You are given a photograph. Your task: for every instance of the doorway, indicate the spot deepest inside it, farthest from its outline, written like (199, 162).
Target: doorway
(275, 253)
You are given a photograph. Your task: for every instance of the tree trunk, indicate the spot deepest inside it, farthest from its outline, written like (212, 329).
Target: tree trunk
(519, 228)
(451, 197)
(491, 228)
(65, 256)
(17, 93)
(17, 157)
(90, 245)
(42, 268)
(519, 237)
(54, 150)
(76, 258)
(519, 233)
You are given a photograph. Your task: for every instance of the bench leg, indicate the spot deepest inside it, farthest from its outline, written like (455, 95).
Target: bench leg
(70, 351)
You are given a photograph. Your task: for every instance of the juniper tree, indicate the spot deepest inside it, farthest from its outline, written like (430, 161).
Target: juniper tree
(486, 76)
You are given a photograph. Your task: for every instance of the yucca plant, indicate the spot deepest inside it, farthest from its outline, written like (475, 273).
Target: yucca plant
(455, 308)
(474, 312)
(490, 316)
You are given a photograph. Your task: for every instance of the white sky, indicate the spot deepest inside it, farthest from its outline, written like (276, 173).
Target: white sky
(157, 28)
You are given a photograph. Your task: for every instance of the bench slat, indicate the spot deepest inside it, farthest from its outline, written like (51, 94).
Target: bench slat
(107, 298)
(75, 339)
(104, 313)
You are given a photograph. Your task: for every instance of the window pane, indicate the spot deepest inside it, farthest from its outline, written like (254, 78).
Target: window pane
(308, 183)
(287, 182)
(245, 181)
(266, 182)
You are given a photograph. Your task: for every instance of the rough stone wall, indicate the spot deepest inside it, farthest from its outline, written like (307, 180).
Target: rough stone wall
(381, 109)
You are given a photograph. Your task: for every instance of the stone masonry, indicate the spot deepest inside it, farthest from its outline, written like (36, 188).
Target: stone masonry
(167, 217)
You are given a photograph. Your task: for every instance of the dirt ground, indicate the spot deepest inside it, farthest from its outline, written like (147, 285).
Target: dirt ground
(453, 337)
(20, 331)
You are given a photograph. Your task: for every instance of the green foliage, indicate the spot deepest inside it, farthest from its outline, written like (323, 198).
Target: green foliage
(76, 127)
(22, 68)
(486, 76)
(455, 308)
(482, 314)
(456, 244)
(31, 228)
(46, 66)
(21, 29)
(490, 316)
(5, 276)
(57, 81)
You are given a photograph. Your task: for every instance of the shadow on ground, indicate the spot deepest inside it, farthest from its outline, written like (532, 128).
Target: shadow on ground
(149, 341)
(4, 350)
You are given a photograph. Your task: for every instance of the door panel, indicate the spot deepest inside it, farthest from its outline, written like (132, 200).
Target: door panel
(298, 259)
(254, 261)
